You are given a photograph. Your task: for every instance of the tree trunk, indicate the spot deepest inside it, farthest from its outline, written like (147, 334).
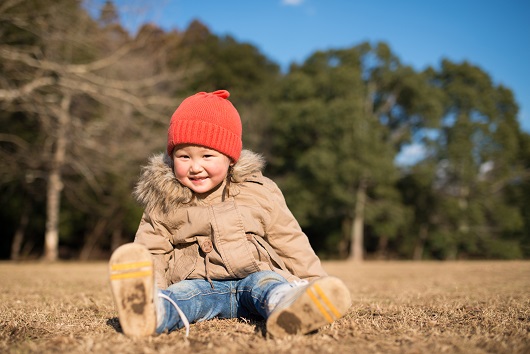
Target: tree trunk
(343, 246)
(420, 244)
(18, 238)
(55, 184)
(92, 239)
(357, 234)
(116, 239)
(382, 247)
(51, 238)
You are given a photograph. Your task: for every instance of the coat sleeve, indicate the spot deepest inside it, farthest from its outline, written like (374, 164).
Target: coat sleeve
(286, 237)
(160, 234)
(157, 239)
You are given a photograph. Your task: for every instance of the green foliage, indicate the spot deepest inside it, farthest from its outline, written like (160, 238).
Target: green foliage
(500, 249)
(474, 158)
(328, 127)
(224, 63)
(332, 135)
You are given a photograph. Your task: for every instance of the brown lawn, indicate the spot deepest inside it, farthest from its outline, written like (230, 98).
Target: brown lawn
(398, 307)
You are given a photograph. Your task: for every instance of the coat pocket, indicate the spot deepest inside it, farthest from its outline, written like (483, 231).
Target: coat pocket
(263, 246)
(183, 262)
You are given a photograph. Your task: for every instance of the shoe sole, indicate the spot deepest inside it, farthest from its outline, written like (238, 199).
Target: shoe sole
(323, 301)
(132, 285)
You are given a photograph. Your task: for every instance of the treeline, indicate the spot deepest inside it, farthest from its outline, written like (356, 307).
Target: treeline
(83, 104)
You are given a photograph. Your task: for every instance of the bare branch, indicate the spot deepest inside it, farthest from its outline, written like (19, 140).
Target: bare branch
(16, 140)
(132, 84)
(8, 4)
(102, 63)
(89, 176)
(12, 94)
(84, 70)
(15, 55)
(124, 96)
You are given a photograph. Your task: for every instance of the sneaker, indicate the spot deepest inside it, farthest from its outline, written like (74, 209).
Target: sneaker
(279, 292)
(305, 308)
(132, 284)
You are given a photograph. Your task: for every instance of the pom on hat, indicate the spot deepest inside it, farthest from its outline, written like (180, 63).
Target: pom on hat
(207, 119)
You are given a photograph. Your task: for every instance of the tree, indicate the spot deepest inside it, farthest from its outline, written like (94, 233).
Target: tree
(476, 159)
(342, 117)
(59, 71)
(223, 63)
(518, 193)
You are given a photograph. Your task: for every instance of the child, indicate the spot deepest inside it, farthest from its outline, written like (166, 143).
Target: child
(216, 238)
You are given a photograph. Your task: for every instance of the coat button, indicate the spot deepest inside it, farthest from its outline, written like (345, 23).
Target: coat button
(207, 246)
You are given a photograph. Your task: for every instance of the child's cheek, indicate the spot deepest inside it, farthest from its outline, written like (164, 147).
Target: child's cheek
(179, 171)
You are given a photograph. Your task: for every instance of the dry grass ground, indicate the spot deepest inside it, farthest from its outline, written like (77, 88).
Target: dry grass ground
(398, 307)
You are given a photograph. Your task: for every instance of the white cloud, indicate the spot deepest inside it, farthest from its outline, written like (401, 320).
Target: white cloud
(292, 2)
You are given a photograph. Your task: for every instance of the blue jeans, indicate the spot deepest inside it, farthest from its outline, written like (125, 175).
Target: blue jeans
(227, 299)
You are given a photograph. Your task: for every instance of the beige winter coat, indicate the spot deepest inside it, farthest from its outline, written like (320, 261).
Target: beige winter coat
(229, 234)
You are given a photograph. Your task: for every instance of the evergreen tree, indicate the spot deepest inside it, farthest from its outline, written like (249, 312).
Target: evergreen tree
(224, 63)
(476, 155)
(341, 118)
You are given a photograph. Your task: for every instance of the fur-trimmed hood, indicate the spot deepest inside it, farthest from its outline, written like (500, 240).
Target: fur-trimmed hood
(157, 187)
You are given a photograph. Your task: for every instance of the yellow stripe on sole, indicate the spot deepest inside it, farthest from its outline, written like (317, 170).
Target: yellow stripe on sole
(319, 306)
(130, 275)
(327, 302)
(126, 266)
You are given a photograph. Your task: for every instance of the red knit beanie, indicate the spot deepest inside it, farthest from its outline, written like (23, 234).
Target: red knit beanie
(207, 119)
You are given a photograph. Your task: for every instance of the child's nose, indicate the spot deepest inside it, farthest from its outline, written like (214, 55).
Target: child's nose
(196, 166)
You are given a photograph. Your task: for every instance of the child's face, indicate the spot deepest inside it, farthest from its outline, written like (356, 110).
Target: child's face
(199, 168)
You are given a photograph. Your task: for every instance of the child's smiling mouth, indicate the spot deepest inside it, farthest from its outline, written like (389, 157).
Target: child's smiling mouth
(198, 179)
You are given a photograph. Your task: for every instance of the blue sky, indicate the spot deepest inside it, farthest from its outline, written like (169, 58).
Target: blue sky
(492, 34)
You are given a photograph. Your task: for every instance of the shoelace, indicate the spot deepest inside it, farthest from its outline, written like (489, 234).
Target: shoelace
(181, 314)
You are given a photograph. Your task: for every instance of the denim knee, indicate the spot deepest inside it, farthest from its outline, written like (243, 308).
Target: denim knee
(264, 277)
